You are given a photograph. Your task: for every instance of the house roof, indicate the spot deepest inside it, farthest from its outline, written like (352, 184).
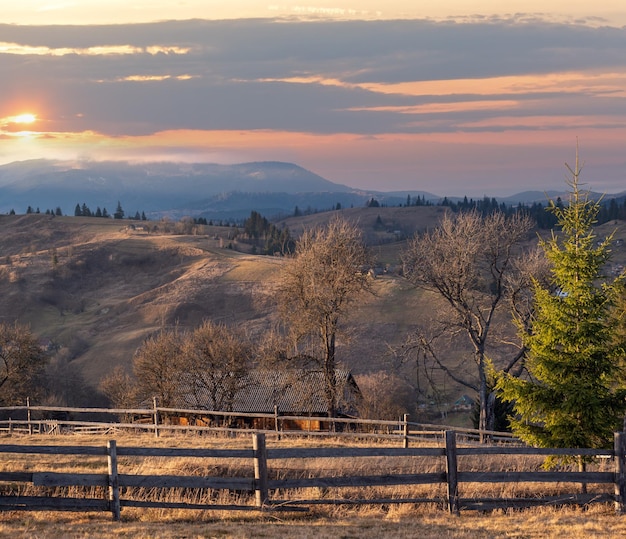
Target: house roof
(296, 391)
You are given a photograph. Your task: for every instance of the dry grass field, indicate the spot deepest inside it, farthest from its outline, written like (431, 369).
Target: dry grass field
(332, 521)
(401, 523)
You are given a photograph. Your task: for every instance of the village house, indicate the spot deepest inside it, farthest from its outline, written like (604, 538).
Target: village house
(293, 392)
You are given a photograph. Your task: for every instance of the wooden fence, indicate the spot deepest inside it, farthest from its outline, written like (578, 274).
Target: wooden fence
(268, 491)
(57, 420)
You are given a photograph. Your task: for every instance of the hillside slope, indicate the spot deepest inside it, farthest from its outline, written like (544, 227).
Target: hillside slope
(95, 289)
(98, 289)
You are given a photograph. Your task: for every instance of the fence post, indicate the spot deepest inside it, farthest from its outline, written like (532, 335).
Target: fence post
(156, 417)
(30, 425)
(114, 485)
(276, 426)
(452, 472)
(260, 469)
(619, 448)
(405, 431)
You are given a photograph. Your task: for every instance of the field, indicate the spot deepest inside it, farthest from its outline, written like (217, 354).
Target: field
(530, 524)
(365, 522)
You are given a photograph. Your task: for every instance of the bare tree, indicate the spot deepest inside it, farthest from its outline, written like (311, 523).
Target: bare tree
(216, 364)
(120, 388)
(467, 261)
(157, 366)
(384, 395)
(65, 383)
(22, 365)
(324, 277)
(528, 270)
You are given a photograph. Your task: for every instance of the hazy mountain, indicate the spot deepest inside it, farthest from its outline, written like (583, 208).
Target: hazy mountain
(202, 189)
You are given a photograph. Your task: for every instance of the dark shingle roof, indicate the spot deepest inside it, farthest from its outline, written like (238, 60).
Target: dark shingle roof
(295, 391)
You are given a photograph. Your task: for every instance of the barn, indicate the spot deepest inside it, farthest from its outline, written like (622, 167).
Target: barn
(292, 392)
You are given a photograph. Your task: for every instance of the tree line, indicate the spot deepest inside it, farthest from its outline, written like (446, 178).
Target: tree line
(84, 211)
(266, 236)
(608, 210)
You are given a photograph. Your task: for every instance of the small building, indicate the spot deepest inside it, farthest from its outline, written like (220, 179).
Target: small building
(292, 392)
(463, 403)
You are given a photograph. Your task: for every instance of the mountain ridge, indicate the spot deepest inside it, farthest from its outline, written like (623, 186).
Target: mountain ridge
(210, 190)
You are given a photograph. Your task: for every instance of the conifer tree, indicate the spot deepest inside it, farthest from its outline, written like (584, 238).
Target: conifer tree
(571, 398)
(119, 212)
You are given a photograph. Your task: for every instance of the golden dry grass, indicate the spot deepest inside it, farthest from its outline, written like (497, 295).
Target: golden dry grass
(597, 522)
(336, 521)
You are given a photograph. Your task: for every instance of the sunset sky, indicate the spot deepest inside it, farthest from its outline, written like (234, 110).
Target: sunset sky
(451, 97)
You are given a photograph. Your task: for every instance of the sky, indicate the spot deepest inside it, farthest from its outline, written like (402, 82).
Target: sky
(452, 97)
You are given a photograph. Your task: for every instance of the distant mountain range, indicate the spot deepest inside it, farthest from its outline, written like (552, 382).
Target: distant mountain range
(201, 190)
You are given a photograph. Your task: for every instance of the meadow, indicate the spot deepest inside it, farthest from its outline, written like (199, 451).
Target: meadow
(343, 521)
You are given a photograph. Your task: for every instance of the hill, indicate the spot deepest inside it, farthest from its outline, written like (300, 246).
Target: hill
(93, 289)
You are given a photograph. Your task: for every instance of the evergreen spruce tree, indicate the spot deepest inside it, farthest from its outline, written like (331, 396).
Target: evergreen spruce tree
(572, 398)
(119, 212)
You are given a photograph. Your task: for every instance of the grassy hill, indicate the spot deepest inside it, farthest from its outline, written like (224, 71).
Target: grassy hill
(94, 289)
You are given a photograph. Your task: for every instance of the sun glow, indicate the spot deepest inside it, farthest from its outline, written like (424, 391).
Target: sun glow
(26, 118)
(15, 126)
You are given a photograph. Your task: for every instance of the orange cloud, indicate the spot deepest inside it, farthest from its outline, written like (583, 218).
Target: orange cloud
(16, 48)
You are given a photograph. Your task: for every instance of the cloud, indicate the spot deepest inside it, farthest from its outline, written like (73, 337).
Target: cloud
(370, 80)
(26, 50)
(360, 76)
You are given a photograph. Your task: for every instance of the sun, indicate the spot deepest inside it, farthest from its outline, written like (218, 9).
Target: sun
(26, 118)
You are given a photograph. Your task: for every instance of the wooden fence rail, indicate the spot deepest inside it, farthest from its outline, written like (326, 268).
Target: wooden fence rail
(53, 420)
(264, 485)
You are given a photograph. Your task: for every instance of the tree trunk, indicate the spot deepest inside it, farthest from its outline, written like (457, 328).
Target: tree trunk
(330, 380)
(491, 411)
(482, 398)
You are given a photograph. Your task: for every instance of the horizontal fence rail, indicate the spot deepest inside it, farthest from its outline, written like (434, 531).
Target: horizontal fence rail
(59, 420)
(269, 489)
